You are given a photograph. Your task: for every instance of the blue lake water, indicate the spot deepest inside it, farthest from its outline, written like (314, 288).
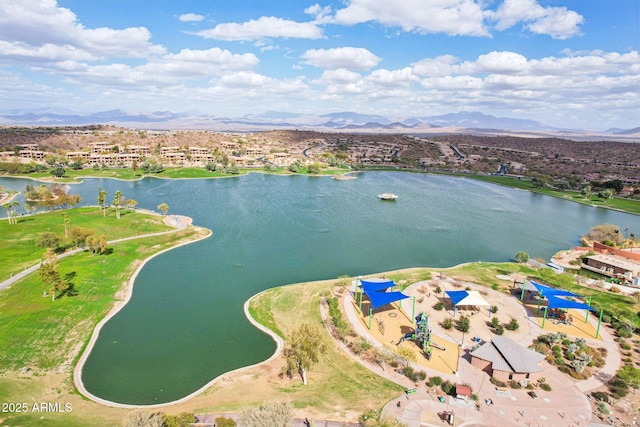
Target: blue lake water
(184, 324)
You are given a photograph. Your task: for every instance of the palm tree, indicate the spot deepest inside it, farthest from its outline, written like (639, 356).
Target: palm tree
(102, 197)
(164, 208)
(116, 202)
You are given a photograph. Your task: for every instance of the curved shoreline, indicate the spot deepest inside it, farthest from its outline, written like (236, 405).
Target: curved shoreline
(77, 370)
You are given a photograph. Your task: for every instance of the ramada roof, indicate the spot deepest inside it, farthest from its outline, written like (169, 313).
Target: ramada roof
(506, 355)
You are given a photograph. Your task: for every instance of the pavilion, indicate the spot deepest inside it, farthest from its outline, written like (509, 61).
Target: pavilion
(466, 299)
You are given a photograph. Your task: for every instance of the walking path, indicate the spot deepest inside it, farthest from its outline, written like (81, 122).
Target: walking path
(178, 221)
(566, 404)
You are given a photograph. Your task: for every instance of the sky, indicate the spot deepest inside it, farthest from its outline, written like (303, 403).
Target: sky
(566, 63)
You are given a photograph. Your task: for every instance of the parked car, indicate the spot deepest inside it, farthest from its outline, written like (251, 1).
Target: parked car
(532, 394)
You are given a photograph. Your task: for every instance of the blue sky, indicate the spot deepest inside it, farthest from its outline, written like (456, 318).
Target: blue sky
(567, 63)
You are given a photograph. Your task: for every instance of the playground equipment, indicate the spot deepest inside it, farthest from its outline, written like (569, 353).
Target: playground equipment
(422, 336)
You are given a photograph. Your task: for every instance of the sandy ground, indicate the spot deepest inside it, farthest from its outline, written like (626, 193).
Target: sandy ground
(566, 404)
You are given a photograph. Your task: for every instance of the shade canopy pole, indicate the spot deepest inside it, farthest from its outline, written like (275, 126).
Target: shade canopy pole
(544, 317)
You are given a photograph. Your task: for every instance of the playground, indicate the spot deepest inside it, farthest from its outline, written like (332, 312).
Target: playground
(408, 317)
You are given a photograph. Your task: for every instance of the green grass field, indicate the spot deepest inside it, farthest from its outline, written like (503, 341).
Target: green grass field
(18, 248)
(47, 336)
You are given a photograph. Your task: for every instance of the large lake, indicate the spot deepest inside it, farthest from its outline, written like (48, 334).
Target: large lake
(185, 326)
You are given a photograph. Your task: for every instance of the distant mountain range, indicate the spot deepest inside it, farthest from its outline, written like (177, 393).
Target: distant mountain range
(340, 121)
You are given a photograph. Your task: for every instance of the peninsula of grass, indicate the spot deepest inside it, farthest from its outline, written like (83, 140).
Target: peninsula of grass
(18, 244)
(41, 333)
(626, 205)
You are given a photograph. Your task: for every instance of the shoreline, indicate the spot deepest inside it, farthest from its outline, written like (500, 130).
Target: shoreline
(338, 177)
(128, 288)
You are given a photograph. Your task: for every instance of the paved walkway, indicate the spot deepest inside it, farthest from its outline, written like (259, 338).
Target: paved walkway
(566, 404)
(178, 221)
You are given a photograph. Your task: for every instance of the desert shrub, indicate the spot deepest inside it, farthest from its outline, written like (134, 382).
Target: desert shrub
(624, 332)
(603, 408)
(494, 322)
(225, 422)
(414, 375)
(618, 388)
(448, 388)
(566, 343)
(447, 323)
(514, 384)
(513, 325)
(360, 346)
(601, 396)
(570, 356)
(545, 387)
(434, 381)
(438, 306)
(498, 382)
(499, 330)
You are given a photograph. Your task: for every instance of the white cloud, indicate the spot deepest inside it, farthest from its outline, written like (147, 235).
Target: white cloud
(452, 17)
(321, 14)
(339, 76)
(40, 27)
(393, 78)
(263, 27)
(435, 67)
(191, 17)
(352, 58)
(501, 62)
(558, 22)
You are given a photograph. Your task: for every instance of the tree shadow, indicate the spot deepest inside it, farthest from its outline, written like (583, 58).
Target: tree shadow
(71, 290)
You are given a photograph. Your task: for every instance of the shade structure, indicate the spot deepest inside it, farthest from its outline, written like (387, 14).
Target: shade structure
(556, 302)
(549, 291)
(467, 298)
(375, 285)
(378, 299)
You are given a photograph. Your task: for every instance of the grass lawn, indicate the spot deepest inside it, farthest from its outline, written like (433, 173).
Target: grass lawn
(338, 387)
(18, 249)
(47, 336)
(619, 203)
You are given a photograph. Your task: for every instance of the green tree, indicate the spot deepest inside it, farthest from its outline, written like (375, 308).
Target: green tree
(586, 191)
(314, 168)
(97, 244)
(303, 350)
(272, 414)
(58, 172)
(131, 203)
(164, 208)
(102, 198)
(143, 418)
(225, 422)
(49, 274)
(48, 240)
(630, 375)
(116, 202)
(464, 323)
(11, 212)
(79, 235)
(183, 419)
(522, 257)
(606, 194)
